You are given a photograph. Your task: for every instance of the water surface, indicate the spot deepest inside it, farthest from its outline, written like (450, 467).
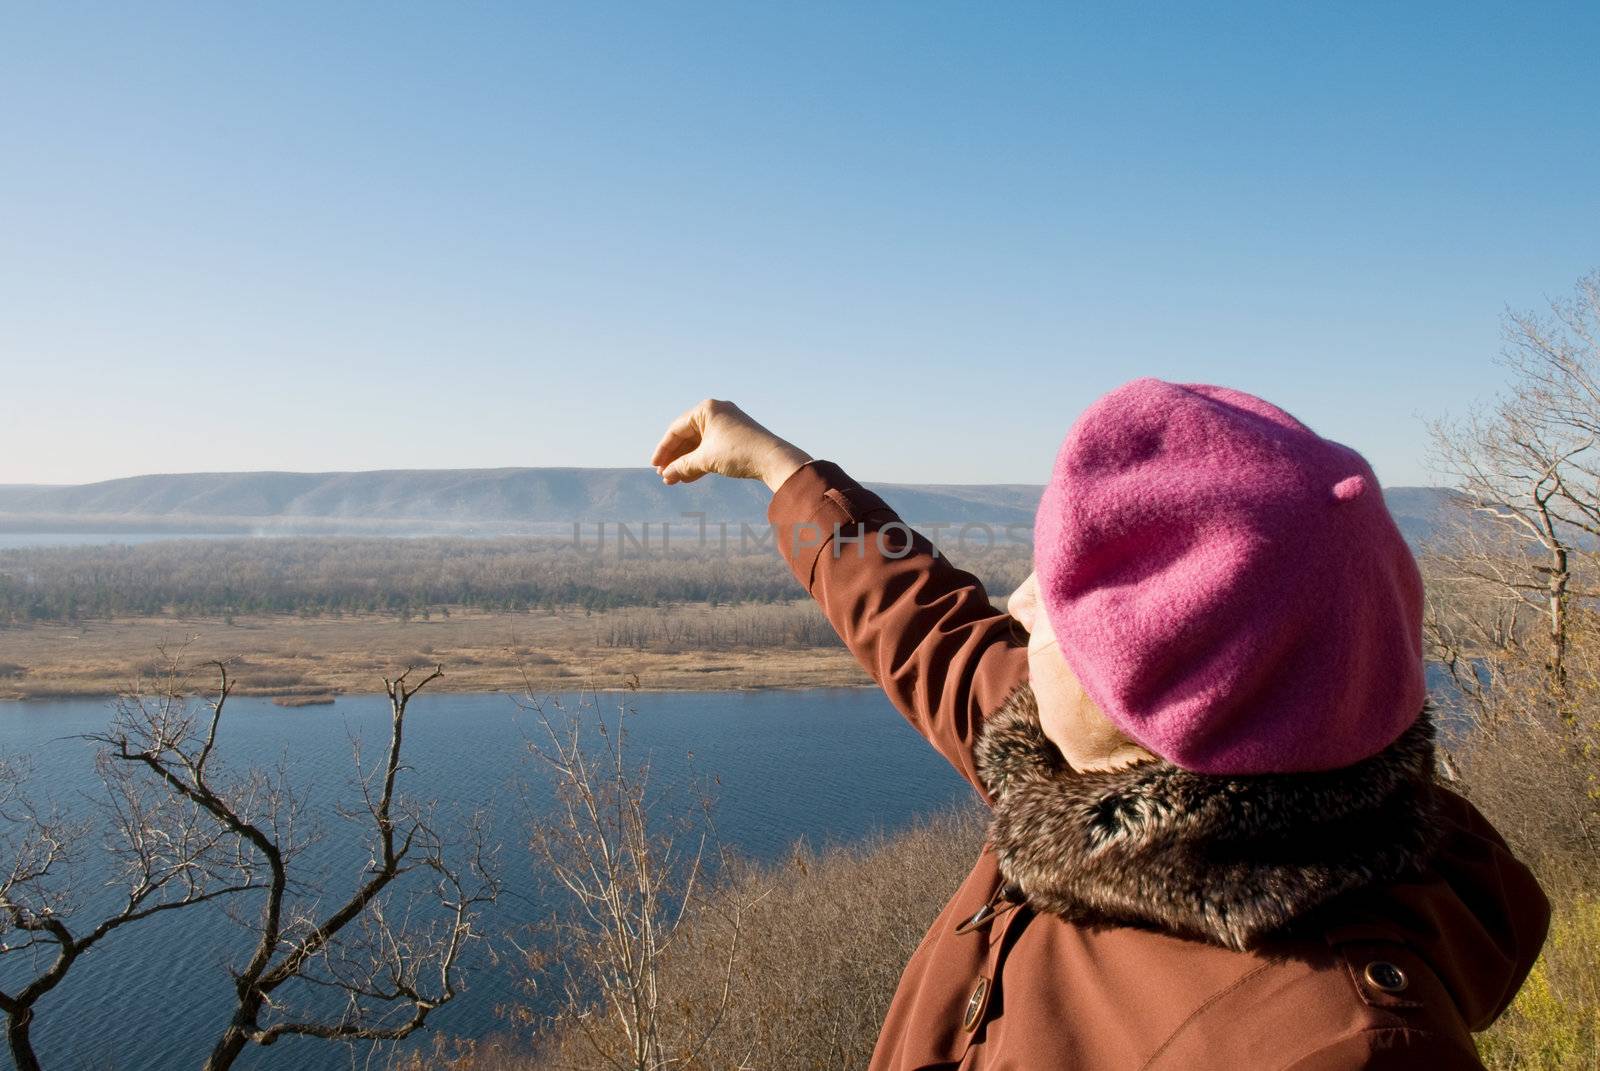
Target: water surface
(826, 764)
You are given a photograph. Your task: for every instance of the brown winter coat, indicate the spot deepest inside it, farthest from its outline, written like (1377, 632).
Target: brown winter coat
(1150, 917)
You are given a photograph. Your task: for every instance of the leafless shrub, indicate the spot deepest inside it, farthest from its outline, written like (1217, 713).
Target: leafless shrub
(630, 873)
(408, 577)
(1529, 765)
(822, 937)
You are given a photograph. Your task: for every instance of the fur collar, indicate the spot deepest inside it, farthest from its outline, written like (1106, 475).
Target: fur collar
(1228, 860)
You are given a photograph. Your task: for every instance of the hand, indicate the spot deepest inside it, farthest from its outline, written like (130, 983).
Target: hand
(718, 437)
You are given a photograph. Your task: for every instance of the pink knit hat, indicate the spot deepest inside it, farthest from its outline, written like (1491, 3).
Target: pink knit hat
(1228, 586)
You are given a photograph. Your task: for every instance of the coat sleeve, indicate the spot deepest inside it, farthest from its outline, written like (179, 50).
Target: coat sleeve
(924, 629)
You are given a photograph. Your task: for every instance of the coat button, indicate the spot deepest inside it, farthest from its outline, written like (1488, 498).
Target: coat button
(1381, 974)
(975, 1005)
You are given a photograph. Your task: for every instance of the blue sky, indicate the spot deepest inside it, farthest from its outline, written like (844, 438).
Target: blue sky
(915, 238)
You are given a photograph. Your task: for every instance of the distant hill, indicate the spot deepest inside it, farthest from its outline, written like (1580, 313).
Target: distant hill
(444, 500)
(1418, 510)
(486, 501)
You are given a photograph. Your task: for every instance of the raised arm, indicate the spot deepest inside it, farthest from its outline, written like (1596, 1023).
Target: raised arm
(924, 629)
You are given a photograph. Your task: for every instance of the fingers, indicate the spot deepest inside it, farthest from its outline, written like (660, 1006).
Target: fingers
(683, 435)
(686, 469)
(685, 453)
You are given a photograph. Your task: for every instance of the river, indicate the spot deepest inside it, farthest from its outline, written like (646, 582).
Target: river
(823, 764)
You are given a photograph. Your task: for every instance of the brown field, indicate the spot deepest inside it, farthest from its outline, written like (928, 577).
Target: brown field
(691, 648)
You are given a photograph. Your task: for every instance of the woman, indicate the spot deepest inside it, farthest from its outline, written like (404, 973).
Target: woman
(1217, 841)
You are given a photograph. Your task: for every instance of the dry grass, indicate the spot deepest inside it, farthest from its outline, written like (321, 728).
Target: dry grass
(825, 944)
(1554, 1024)
(1537, 786)
(283, 655)
(819, 957)
(1528, 764)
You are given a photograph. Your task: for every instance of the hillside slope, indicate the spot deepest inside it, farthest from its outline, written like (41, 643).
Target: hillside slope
(453, 499)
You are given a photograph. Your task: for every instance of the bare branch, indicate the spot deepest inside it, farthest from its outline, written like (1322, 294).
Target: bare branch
(631, 880)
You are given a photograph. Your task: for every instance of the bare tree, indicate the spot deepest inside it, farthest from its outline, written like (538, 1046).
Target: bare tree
(373, 966)
(631, 874)
(1528, 473)
(1512, 584)
(166, 854)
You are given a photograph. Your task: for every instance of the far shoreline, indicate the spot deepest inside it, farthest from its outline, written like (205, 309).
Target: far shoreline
(52, 695)
(303, 658)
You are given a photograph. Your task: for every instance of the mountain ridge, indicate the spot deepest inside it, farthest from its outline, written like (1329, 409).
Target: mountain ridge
(424, 501)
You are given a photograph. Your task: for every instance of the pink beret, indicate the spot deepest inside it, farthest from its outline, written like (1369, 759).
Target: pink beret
(1228, 586)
